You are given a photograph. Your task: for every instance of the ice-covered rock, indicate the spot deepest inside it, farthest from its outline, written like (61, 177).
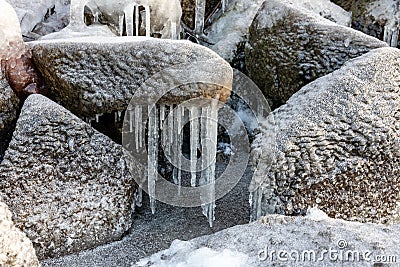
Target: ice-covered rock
(290, 46)
(92, 76)
(378, 18)
(277, 240)
(67, 185)
(232, 27)
(16, 249)
(337, 145)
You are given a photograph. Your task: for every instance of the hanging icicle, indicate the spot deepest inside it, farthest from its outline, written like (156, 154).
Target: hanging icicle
(194, 142)
(152, 160)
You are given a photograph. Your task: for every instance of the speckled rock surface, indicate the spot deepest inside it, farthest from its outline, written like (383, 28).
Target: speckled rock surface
(91, 76)
(16, 249)
(338, 144)
(313, 240)
(67, 185)
(290, 46)
(9, 103)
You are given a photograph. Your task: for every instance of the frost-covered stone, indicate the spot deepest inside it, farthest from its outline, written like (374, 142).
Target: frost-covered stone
(67, 185)
(299, 241)
(100, 75)
(16, 249)
(338, 145)
(232, 28)
(290, 46)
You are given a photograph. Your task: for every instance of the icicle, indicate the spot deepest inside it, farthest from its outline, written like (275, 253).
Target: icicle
(98, 117)
(255, 200)
(115, 117)
(96, 17)
(138, 127)
(129, 20)
(209, 129)
(152, 156)
(199, 16)
(147, 10)
(174, 34)
(119, 115)
(223, 2)
(162, 116)
(121, 25)
(131, 121)
(179, 126)
(172, 141)
(137, 19)
(194, 142)
(138, 197)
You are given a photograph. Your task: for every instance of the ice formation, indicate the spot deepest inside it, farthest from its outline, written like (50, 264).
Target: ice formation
(165, 133)
(159, 16)
(392, 28)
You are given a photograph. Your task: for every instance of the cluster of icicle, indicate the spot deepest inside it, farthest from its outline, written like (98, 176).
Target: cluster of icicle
(203, 126)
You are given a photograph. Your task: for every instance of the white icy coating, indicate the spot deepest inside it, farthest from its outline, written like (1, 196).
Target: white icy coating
(233, 26)
(316, 214)
(10, 32)
(184, 254)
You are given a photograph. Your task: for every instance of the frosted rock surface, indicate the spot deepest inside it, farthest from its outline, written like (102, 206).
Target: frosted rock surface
(67, 185)
(290, 46)
(245, 245)
(99, 75)
(232, 27)
(338, 144)
(16, 249)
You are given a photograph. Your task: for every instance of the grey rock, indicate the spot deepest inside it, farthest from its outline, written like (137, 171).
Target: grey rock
(67, 185)
(314, 240)
(290, 47)
(91, 76)
(16, 249)
(337, 145)
(9, 104)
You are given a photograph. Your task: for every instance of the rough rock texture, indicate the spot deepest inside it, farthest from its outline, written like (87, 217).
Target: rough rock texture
(290, 47)
(67, 185)
(372, 16)
(94, 76)
(338, 144)
(16, 249)
(314, 240)
(9, 104)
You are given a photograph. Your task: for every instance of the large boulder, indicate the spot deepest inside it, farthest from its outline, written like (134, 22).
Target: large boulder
(16, 249)
(290, 46)
(338, 145)
(67, 185)
(276, 240)
(231, 29)
(91, 76)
